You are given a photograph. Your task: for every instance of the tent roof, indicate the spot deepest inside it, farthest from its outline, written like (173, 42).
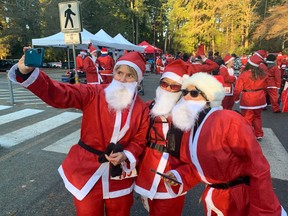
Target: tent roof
(149, 48)
(117, 44)
(57, 40)
(119, 37)
(102, 35)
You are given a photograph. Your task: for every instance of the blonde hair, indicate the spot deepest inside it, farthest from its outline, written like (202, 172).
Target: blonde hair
(131, 69)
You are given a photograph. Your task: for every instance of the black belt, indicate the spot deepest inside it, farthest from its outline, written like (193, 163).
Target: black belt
(240, 180)
(157, 147)
(89, 148)
(253, 90)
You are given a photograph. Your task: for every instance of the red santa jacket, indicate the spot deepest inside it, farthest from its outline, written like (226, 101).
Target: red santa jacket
(229, 80)
(91, 70)
(100, 125)
(274, 77)
(207, 66)
(220, 159)
(149, 184)
(107, 63)
(253, 91)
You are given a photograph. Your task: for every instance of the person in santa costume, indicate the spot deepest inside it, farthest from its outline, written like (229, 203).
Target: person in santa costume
(90, 67)
(227, 72)
(163, 145)
(273, 82)
(200, 63)
(106, 62)
(160, 64)
(223, 153)
(100, 169)
(252, 85)
(79, 60)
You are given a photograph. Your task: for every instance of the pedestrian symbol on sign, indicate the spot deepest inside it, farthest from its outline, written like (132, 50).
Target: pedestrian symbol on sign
(68, 14)
(70, 17)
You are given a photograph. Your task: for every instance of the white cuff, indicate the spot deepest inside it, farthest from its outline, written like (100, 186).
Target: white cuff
(26, 83)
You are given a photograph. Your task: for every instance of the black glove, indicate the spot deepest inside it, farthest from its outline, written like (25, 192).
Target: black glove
(108, 150)
(116, 170)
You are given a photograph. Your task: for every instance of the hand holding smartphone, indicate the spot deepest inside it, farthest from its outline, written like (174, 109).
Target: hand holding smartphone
(34, 57)
(165, 176)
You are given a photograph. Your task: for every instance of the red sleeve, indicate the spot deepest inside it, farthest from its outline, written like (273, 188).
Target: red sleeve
(227, 78)
(238, 87)
(209, 66)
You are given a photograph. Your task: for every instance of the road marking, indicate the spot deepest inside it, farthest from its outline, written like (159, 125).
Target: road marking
(2, 107)
(276, 154)
(63, 145)
(18, 115)
(31, 131)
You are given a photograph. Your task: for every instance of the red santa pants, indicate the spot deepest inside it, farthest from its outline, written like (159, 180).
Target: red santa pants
(273, 95)
(94, 204)
(254, 118)
(164, 207)
(228, 102)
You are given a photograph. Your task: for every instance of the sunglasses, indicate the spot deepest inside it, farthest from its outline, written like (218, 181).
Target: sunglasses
(194, 93)
(173, 87)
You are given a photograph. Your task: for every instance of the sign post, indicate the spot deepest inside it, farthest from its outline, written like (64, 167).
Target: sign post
(71, 26)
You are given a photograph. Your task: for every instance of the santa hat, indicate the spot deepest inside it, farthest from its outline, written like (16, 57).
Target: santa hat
(228, 58)
(208, 84)
(175, 70)
(92, 49)
(83, 52)
(134, 60)
(255, 60)
(104, 50)
(200, 50)
(261, 53)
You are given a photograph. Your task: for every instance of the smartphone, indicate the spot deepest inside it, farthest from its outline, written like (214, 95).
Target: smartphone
(34, 57)
(165, 176)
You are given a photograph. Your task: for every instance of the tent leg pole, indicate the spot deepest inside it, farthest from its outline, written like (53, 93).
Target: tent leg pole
(75, 66)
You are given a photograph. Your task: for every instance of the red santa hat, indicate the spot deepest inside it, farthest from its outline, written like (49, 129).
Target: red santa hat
(228, 58)
(255, 60)
(134, 60)
(92, 49)
(104, 50)
(208, 84)
(262, 54)
(175, 70)
(200, 50)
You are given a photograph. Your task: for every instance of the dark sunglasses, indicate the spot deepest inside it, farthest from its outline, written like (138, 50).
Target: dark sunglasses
(173, 87)
(194, 93)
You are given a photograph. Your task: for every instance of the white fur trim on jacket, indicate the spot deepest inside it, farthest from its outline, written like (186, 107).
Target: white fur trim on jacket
(26, 83)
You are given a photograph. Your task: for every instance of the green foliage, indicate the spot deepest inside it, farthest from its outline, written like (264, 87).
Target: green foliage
(222, 25)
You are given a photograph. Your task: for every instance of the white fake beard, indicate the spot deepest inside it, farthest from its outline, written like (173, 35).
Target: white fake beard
(186, 112)
(164, 102)
(231, 71)
(120, 95)
(94, 58)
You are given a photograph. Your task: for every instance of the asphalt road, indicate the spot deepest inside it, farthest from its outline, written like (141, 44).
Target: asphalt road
(29, 180)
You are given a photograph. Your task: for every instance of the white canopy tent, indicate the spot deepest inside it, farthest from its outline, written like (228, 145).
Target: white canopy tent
(57, 40)
(118, 43)
(120, 39)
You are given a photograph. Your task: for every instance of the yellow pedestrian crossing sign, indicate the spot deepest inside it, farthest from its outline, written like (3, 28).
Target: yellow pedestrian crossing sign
(70, 16)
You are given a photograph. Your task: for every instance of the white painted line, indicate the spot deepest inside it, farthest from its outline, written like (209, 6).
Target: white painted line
(2, 107)
(26, 133)
(18, 115)
(275, 154)
(63, 145)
